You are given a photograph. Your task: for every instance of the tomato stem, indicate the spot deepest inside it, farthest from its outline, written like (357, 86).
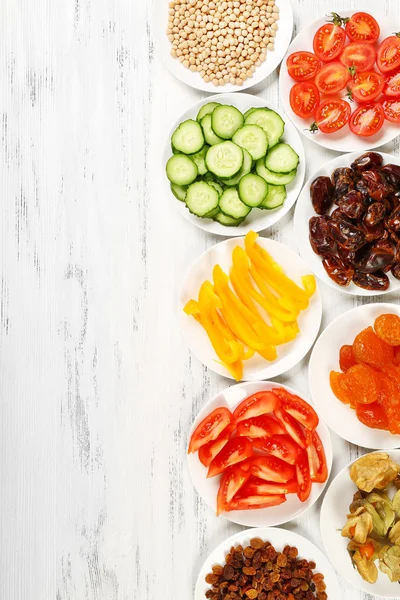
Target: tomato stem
(337, 19)
(313, 128)
(349, 95)
(353, 71)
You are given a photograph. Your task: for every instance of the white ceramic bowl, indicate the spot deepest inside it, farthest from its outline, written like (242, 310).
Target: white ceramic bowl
(303, 213)
(208, 488)
(255, 368)
(279, 538)
(257, 220)
(334, 509)
(274, 57)
(343, 140)
(325, 358)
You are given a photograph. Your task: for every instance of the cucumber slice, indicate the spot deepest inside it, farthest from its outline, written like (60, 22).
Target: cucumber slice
(246, 168)
(210, 137)
(225, 159)
(253, 139)
(179, 191)
(232, 206)
(282, 159)
(270, 121)
(174, 150)
(252, 190)
(201, 198)
(225, 120)
(216, 186)
(181, 170)
(199, 160)
(213, 213)
(206, 110)
(188, 138)
(274, 178)
(227, 221)
(248, 112)
(276, 197)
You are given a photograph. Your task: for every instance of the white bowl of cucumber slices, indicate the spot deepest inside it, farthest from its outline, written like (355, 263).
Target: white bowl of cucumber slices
(233, 163)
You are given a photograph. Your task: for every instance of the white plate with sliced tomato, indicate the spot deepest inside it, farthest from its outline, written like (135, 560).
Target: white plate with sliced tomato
(340, 81)
(259, 457)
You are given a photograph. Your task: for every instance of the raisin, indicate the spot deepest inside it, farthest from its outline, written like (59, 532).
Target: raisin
(370, 349)
(212, 578)
(249, 552)
(387, 327)
(249, 570)
(256, 543)
(252, 594)
(229, 572)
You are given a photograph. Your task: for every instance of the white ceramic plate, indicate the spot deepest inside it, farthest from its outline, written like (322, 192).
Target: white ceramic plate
(325, 358)
(343, 140)
(279, 538)
(303, 213)
(274, 57)
(257, 220)
(208, 488)
(257, 367)
(334, 509)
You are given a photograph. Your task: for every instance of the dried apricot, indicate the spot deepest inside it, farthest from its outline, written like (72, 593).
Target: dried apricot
(370, 349)
(387, 328)
(372, 415)
(363, 384)
(396, 356)
(339, 387)
(346, 358)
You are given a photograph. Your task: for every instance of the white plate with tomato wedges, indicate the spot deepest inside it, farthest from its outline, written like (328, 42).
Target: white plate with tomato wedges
(258, 454)
(357, 56)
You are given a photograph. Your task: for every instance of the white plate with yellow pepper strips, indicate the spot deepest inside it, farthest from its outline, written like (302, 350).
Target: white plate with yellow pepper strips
(233, 163)
(360, 523)
(222, 46)
(250, 308)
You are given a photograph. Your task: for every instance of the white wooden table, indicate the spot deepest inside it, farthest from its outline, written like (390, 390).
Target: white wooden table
(98, 390)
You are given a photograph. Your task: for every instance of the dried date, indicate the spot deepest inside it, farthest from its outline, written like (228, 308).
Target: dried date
(320, 240)
(366, 161)
(337, 270)
(322, 192)
(371, 281)
(393, 222)
(376, 184)
(343, 179)
(352, 205)
(392, 174)
(346, 235)
(375, 213)
(376, 257)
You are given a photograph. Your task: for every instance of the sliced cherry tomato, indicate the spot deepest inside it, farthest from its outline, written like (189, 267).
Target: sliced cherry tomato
(234, 451)
(298, 408)
(281, 446)
(293, 428)
(372, 415)
(367, 86)
(255, 405)
(392, 84)
(316, 458)
(332, 78)
(367, 119)
(391, 108)
(210, 428)
(388, 55)
(259, 487)
(331, 115)
(302, 65)
(271, 468)
(260, 427)
(231, 482)
(362, 27)
(304, 99)
(209, 451)
(303, 477)
(329, 41)
(359, 56)
(252, 502)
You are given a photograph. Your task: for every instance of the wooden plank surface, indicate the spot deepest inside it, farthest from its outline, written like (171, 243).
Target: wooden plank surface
(98, 389)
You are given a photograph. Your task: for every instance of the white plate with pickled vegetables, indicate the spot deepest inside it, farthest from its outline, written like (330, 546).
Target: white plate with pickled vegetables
(250, 308)
(360, 518)
(233, 163)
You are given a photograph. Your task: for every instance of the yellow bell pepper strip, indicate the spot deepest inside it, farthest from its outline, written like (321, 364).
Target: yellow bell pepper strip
(235, 369)
(310, 285)
(291, 310)
(192, 309)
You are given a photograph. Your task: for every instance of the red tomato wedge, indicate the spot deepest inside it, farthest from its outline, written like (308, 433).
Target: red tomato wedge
(303, 478)
(251, 502)
(316, 458)
(232, 480)
(260, 427)
(281, 446)
(367, 119)
(332, 78)
(302, 65)
(304, 99)
(259, 487)
(329, 41)
(331, 115)
(392, 84)
(210, 428)
(367, 86)
(293, 428)
(391, 108)
(359, 55)
(372, 415)
(271, 468)
(299, 409)
(388, 55)
(255, 405)
(362, 27)
(209, 451)
(234, 451)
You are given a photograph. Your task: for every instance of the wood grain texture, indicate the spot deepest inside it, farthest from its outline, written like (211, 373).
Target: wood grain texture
(98, 390)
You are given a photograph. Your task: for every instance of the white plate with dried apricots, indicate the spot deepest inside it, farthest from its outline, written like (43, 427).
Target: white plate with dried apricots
(193, 30)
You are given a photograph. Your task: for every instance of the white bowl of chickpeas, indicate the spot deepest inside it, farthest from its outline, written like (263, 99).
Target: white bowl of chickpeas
(222, 46)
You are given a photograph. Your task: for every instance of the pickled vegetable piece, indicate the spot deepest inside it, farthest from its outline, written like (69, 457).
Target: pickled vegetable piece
(346, 358)
(370, 349)
(363, 384)
(339, 387)
(387, 327)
